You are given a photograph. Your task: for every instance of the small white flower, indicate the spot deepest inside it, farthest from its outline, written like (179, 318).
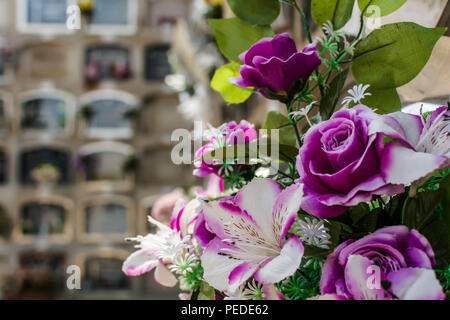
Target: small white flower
(313, 232)
(357, 93)
(328, 28)
(303, 111)
(184, 263)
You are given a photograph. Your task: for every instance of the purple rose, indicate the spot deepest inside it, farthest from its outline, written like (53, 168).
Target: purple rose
(275, 64)
(228, 134)
(339, 163)
(391, 263)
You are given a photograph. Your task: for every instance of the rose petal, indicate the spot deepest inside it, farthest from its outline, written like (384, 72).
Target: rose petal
(402, 165)
(357, 273)
(415, 284)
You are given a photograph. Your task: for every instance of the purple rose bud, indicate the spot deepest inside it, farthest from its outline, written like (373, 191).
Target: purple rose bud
(275, 64)
(391, 263)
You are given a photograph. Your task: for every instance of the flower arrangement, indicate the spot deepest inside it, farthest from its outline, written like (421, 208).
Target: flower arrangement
(359, 205)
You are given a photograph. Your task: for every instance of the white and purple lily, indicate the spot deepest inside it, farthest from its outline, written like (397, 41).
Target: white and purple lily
(418, 148)
(250, 230)
(156, 251)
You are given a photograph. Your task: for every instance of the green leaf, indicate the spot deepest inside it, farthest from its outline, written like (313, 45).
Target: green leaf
(386, 6)
(275, 120)
(444, 188)
(439, 238)
(420, 209)
(206, 292)
(394, 54)
(235, 36)
(230, 92)
(259, 12)
(331, 98)
(338, 12)
(385, 100)
(249, 152)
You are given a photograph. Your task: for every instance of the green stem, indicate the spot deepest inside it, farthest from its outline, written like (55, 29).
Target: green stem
(305, 22)
(293, 123)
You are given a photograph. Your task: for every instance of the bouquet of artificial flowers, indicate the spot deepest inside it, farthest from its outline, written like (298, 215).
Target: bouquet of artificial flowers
(358, 205)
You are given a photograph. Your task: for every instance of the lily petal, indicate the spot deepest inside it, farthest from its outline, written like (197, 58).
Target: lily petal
(218, 266)
(285, 210)
(164, 277)
(258, 198)
(284, 265)
(140, 262)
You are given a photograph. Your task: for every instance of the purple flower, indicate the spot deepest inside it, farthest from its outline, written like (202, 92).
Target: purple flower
(389, 263)
(228, 134)
(418, 148)
(339, 163)
(250, 232)
(275, 64)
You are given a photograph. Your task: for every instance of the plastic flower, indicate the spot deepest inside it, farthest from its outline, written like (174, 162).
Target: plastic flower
(275, 64)
(357, 93)
(404, 260)
(418, 148)
(250, 230)
(340, 163)
(228, 134)
(163, 207)
(156, 251)
(313, 232)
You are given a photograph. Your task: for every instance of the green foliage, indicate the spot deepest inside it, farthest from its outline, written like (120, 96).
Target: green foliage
(231, 93)
(332, 95)
(386, 6)
(338, 12)
(444, 278)
(247, 154)
(235, 36)
(193, 279)
(305, 283)
(259, 12)
(384, 100)
(206, 292)
(276, 120)
(394, 54)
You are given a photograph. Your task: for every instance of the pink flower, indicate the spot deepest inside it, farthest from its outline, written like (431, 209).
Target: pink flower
(250, 230)
(404, 260)
(163, 207)
(228, 134)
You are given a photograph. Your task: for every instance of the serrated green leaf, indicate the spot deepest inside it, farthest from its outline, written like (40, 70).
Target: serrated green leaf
(394, 54)
(385, 101)
(331, 98)
(276, 120)
(259, 12)
(235, 36)
(338, 12)
(230, 92)
(385, 7)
